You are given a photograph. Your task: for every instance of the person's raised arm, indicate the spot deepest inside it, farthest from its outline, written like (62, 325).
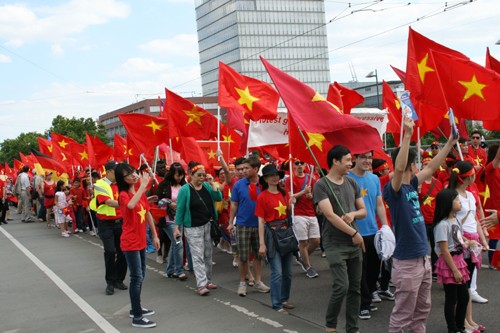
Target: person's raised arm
(402, 158)
(142, 188)
(434, 164)
(224, 166)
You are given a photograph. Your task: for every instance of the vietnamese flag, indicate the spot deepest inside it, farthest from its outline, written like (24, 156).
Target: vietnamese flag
(494, 65)
(45, 146)
(335, 98)
(254, 98)
(63, 157)
(80, 154)
(120, 148)
(469, 88)
(391, 103)
(62, 141)
(191, 120)
(146, 131)
(133, 153)
(350, 97)
(318, 118)
(98, 152)
(191, 151)
(49, 163)
(401, 74)
(18, 165)
(27, 160)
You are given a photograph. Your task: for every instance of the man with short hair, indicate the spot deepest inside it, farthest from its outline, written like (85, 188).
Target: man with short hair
(25, 188)
(368, 227)
(339, 199)
(243, 202)
(476, 152)
(411, 270)
(105, 203)
(435, 147)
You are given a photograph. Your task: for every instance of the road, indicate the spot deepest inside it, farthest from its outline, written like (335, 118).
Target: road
(54, 284)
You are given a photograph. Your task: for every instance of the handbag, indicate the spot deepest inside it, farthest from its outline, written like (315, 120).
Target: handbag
(284, 238)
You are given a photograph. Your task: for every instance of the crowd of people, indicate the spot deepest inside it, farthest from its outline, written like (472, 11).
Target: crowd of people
(433, 217)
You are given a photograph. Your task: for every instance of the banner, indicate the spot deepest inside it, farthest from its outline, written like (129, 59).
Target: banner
(268, 132)
(372, 116)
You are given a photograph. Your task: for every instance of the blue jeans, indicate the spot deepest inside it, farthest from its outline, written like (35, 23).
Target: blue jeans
(175, 253)
(136, 261)
(149, 236)
(281, 279)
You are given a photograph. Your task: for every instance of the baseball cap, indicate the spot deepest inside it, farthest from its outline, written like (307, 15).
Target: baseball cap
(111, 165)
(435, 143)
(48, 173)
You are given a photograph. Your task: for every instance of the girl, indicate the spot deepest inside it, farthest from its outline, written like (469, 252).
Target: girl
(451, 268)
(135, 211)
(463, 176)
(61, 208)
(272, 209)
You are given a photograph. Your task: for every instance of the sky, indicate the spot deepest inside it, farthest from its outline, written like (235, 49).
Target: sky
(84, 58)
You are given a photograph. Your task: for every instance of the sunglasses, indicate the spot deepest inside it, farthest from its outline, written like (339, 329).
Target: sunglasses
(201, 175)
(476, 137)
(299, 163)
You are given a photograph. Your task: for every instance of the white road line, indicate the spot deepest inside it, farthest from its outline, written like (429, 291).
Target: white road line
(72, 295)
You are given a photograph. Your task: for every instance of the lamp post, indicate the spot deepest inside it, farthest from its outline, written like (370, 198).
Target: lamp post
(375, 75)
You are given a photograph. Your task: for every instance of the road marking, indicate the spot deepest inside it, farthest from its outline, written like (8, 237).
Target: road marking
(72, 295)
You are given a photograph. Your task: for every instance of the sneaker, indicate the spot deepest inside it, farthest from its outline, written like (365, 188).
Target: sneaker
(373, 308)
(92, 233)
(202, 291)
(145, 312)
(242, 290)
(64, 234)
(235, 262)
(375, 297)
(150, 249)
(80, 230)
(261, 287)
(364, 314)
(110, 289)
(311, 273)
(282, 311)
(143, 323)
(476, 298)
(386, 294)
(288, 305)
(301, 264)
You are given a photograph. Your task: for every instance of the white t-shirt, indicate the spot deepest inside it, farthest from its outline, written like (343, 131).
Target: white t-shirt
(468, 204)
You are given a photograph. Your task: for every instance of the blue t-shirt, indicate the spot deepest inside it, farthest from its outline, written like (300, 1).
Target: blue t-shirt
(407, 221)
(369, 185)
(245, 215)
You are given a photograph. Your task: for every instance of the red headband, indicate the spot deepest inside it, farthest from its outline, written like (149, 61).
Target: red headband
(196, 167)
(464, 175)
(381, 167)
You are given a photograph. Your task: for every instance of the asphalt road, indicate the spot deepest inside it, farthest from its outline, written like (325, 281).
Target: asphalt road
(53, 284)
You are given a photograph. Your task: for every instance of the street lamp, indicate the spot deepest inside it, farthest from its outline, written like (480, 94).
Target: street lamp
(375, 75)
(498, 42)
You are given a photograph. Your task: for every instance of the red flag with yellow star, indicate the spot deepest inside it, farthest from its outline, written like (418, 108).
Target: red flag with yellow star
(27, 160)
(391, 102)
(61, 141)
(98, 152)
(45, 146)
(64, 157)
(190, 119)
(253, 98)
(80, 154)
(349, 97)
(400, 73)
(494, 65)
(469, 88)
(120, 148)
(18, 165)
(146, 131)
(191, 151)
(133, 153)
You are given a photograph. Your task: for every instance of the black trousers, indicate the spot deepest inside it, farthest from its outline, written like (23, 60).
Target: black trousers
(456, 298)
(370, 272)
(114, 260)
(4, 206)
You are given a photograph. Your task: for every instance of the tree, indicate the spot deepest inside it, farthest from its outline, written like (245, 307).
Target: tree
(10, 148)
(76, 128)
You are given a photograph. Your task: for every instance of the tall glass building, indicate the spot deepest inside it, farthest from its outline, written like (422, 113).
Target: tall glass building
(291, 34)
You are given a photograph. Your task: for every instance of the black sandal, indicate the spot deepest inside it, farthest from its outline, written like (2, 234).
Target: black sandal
(172, 276)
(182, 277)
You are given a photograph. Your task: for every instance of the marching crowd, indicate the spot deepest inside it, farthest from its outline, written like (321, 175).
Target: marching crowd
(376, 225)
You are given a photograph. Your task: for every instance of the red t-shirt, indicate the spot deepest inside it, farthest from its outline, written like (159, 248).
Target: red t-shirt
(428, 206)
(272, 206)
(444, 177)
(101, 199)
(133, 236)
(493, 182)
(478, 155)
(304, 206)
(78, 194)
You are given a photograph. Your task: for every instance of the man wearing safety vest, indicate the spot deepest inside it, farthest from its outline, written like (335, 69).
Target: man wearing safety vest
(105, 203)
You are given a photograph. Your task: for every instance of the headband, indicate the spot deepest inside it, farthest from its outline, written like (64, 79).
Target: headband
(381, 167)
(231, 167)
(196, 167)
(426, 159)
(449, 159)
(464, 175)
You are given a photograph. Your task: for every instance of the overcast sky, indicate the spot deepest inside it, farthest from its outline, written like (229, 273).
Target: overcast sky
(84, 58)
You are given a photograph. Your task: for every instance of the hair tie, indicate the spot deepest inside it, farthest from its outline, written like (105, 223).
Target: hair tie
(196, 167)
(455, 170)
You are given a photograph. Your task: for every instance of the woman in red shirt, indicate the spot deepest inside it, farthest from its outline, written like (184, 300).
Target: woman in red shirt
(272, 210)
(135, 211)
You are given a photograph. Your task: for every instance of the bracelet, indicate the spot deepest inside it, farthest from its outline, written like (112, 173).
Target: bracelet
(354, 234)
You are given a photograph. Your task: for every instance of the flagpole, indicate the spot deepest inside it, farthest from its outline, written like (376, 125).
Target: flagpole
(419, 145)
(218, 130)
(143, 159)
(92, 189)
(171, 150)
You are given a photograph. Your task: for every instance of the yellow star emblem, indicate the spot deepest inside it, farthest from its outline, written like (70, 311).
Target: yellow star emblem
(281, 209)
(447, 116)
(194, 115)
(63, 157)
(227, 138)
(396, 103)
(316, 139)
(130, 153)
(478, 160)
(50, 148)
(83, 155)
(211, 155)
(423, 68)
(319, 98)
(428, 201)
(485, 194)
(473, 88)
(115, 195)
(246, 98)
(364, 192)
(154, 126)
(142, 213)
(62, 144)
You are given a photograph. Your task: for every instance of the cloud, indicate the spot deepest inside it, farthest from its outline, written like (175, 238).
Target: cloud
(4, 59)
(180, 45)
(134, 67)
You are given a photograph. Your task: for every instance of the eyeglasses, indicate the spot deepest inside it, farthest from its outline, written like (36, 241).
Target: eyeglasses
(364, 157)
(476, 137)
(299, 163)
(200, 175)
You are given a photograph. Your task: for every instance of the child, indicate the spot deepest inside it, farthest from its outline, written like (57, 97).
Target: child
(451, 268)
(61, 208)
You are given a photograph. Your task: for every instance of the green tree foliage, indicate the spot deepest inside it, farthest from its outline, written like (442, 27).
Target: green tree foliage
(10, 148)
(76, 128)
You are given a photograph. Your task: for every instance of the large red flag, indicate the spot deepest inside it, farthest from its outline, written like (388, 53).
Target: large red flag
(494, 65)
(469, 88)
(313, 114)
(250, 96)
(191, 120)
(27, 160)
(101, 152)
(133, 153)
(63, 156)
(80, 154)
(45, 146)
(120, 148)
(62, 141)
(18, 165)
(350, 97)
(191, 151)
(146, 131)
(401, 74)
(391, 103)
(49, 163)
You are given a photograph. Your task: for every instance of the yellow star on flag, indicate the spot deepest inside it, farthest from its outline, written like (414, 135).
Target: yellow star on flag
(63, 157)
(473, 88)
(364, 192)
(396, 103)
(228, 138)
(316, 139)
(447, 116)
(211, 155)
(194, 115)
(50, 148)
(319, 98)
(428, 201)
(485, 194)
(62, 144)
(130, 153)
(246, 98)
(281, 209)
(154, 126)
(142, 213)
(83, 155)
(423, 68)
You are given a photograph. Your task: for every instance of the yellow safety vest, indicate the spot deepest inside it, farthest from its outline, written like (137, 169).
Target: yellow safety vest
(101, 187)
